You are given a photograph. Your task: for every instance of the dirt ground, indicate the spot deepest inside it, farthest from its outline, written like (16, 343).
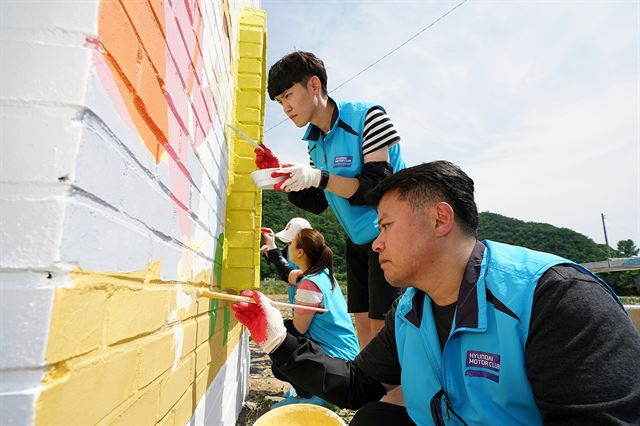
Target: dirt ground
(264, 389)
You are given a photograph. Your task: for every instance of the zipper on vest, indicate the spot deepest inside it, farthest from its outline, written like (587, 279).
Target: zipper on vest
(447, 405)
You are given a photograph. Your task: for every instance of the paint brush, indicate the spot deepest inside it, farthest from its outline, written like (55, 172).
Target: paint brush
(233, 298)
(245, 137)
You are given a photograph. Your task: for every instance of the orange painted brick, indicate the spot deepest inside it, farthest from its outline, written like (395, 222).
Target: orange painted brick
(118, 38)
(76, 322)
(156, 356)
(157, 6)
(151, 95)
(88, 394)
(145, 25)
(125, 319)
(176, 383)
(202, 333)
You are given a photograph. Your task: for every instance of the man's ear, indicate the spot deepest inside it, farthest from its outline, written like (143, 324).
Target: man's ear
(315, 84)
(445, 219)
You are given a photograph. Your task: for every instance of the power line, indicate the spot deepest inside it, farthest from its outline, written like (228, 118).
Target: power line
(385, 55)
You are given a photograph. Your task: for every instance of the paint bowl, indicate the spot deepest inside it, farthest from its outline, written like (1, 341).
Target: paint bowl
(300, 415)
(263, 178)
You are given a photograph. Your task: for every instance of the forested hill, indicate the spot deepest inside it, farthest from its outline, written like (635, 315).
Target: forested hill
(276, 212)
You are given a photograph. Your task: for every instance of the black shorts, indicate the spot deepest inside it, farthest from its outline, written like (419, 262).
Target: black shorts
(367, 290)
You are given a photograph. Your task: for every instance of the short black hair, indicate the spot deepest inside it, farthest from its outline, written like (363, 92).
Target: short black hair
(434, 181)
(296, 67)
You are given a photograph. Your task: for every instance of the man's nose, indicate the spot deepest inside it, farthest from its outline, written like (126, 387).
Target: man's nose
(377, 244)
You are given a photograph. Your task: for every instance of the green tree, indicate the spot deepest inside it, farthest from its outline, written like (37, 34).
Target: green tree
(627, 248)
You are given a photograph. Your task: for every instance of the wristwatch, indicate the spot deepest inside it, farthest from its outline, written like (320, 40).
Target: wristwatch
(324, 179)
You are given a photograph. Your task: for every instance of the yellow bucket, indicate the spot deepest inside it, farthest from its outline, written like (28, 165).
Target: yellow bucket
(300, 415)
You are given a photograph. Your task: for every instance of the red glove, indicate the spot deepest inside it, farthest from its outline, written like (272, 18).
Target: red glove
(266, 159)
(262, 319)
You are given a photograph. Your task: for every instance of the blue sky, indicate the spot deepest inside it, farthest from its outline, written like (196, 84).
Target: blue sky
(539, 102)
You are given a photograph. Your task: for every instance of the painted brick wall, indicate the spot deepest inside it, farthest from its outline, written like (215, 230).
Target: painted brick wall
(122, 191)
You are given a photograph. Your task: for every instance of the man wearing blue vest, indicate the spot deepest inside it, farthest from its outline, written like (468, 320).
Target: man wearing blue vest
(352, 146)
(486, 333)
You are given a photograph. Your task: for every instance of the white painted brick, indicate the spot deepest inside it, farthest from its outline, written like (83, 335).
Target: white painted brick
(51, 15)
(38, 150)
(17, 409)
(24, 312)
(44, 72)
(30, 231)
(111, 116)
(98, 239)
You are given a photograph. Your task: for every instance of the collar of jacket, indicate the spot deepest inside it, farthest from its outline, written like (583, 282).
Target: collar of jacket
(314, 133)
(471, 306)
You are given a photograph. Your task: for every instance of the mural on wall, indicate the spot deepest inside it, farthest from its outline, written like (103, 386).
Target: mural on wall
(154, 201)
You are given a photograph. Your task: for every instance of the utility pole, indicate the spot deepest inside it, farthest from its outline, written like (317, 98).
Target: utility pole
(606, 240)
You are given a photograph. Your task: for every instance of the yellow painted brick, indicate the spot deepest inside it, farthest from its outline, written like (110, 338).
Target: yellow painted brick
(242, 239)
(202, 383)
(243, 149)
(202, 329)
(251, 50)
(244, 164)
(238, 220)
(253, 17)
(157, 356)
(238, 278)
(168, 420)
(176, 383)
(204, 305)
(143, 411)
(250, 81)
(250, 66)
(76, 322)
(88, 394)
(189, 329)
(248, 114)
(135, 312)
(250, 129)
(185, 312)
(203, 357)
(184, 409)
(251, 35)
(243, 203)
(239, 257)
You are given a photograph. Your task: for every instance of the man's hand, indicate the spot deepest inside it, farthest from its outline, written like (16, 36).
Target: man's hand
(301, 176)
(266, 159)
(262, 319)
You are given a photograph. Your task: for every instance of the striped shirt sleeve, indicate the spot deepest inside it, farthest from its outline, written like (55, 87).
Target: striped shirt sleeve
(308, 294)
(378, 132)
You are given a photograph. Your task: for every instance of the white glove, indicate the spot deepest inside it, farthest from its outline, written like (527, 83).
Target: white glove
(262, 319)
(301, 176)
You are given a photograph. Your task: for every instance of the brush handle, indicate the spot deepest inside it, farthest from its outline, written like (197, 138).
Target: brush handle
(234, 298)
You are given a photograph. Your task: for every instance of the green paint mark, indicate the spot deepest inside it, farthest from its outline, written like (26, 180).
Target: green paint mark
(213, 314)
(227, 317)
(217, 260)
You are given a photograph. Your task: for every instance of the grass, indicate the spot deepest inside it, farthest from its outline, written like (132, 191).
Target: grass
(630, 300)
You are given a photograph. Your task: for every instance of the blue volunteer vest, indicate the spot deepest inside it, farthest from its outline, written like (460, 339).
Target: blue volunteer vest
(482, 368)
(340, 153)
(333, 330)
(291, 289)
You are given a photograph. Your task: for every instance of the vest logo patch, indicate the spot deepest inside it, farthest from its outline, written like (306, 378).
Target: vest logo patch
(342, 161)
(486, 361)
